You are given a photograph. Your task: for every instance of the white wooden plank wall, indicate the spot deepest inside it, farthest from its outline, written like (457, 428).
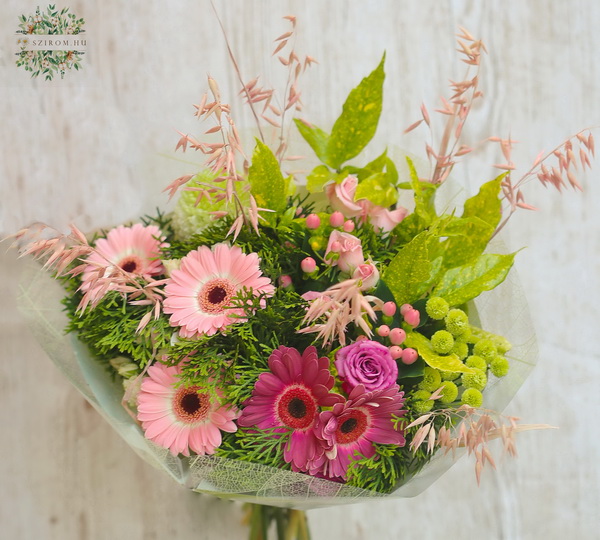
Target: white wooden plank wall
(84, 149)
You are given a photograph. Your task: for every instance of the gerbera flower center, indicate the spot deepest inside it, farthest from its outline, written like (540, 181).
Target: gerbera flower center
(351, 426)
(214, 296)
(297, 407)
(191, 406)
(131, 264)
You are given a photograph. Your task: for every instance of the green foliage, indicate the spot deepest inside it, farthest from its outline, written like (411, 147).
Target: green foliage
(109, 329)
(249, 444)
(355, 127)
(315, 137)
(320, 176)
(389, 467)
(267, 183)
(467, 240)
(378, 189)
(409, 269)
(461, 284)
(486, 204)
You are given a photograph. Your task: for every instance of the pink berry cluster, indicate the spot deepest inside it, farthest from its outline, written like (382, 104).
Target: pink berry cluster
(336, 219)
(396, 335)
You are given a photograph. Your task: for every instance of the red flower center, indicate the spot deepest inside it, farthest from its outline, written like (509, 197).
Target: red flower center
(297, 407)
(190, 406)
(131, 264)
(214, 296)
(351, 426)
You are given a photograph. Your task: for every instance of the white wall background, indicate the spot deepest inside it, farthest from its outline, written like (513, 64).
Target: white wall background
(96, 149)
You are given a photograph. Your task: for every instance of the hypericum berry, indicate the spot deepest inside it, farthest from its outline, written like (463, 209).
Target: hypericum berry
(431, 379)
(349, 226)
(442, 342)
(460, 349)
(405, 308)
(397, 336)
(456, 322)
(313, 221)
(499, 366)
(412, 318)
(486, 349)
(336, 219)
(475, 361)
(285, 281)
(472, 397)
(476, 380)
(308, 265)
(317, 243)
(449, 392)
(383, 330)
(389, 309)
(396, 352)
(437, 308)
(409, 356)
(387, 320)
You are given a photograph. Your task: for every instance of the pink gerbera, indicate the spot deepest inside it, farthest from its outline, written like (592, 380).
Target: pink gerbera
(199, 293)
(133, 249)
(349, 430)
(290, 397)
(181, 419)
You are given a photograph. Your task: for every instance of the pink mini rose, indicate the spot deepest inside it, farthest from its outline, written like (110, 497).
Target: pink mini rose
(349, 249)
(385, 220)
(341, 197)
(368, 363)
(368, 273)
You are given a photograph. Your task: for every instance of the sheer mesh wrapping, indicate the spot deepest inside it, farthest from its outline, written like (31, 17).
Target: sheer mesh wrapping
(502, 311)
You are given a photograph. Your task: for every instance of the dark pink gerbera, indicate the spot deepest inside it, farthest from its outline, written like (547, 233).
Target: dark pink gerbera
(290, 396)
(349, 430)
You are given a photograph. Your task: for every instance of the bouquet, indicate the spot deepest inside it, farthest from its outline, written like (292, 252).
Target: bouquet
(298, 340)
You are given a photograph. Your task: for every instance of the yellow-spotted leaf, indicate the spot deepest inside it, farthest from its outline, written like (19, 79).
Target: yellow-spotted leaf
(461, 284)
(447, 362)
(268, 185)
(358, 122)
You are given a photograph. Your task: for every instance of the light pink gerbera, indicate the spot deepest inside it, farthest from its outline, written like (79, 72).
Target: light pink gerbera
(134, 249)
(198, 295)
(349, 430)
(290, 397)
(181, 419)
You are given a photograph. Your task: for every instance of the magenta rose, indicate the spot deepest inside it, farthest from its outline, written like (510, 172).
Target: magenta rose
(368, 363)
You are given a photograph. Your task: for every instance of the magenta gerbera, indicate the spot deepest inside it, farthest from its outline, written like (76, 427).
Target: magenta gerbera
(199, 293)
(134, 249)
(290, 396)
(349, 430)
(181, 419)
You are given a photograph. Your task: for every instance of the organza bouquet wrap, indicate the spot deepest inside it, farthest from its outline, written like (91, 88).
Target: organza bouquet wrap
(304, 339)
(503, 311)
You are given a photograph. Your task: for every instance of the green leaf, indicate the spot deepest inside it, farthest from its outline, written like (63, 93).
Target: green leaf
(409, 269)
(375, 166)
(358, 122)
(424, 195)
(315, 137)
(267, 183)
(450, 362)
(486, 204)
(378, 189)
(391, 169)
(461, 284)
(317, 179)
(468, 239)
